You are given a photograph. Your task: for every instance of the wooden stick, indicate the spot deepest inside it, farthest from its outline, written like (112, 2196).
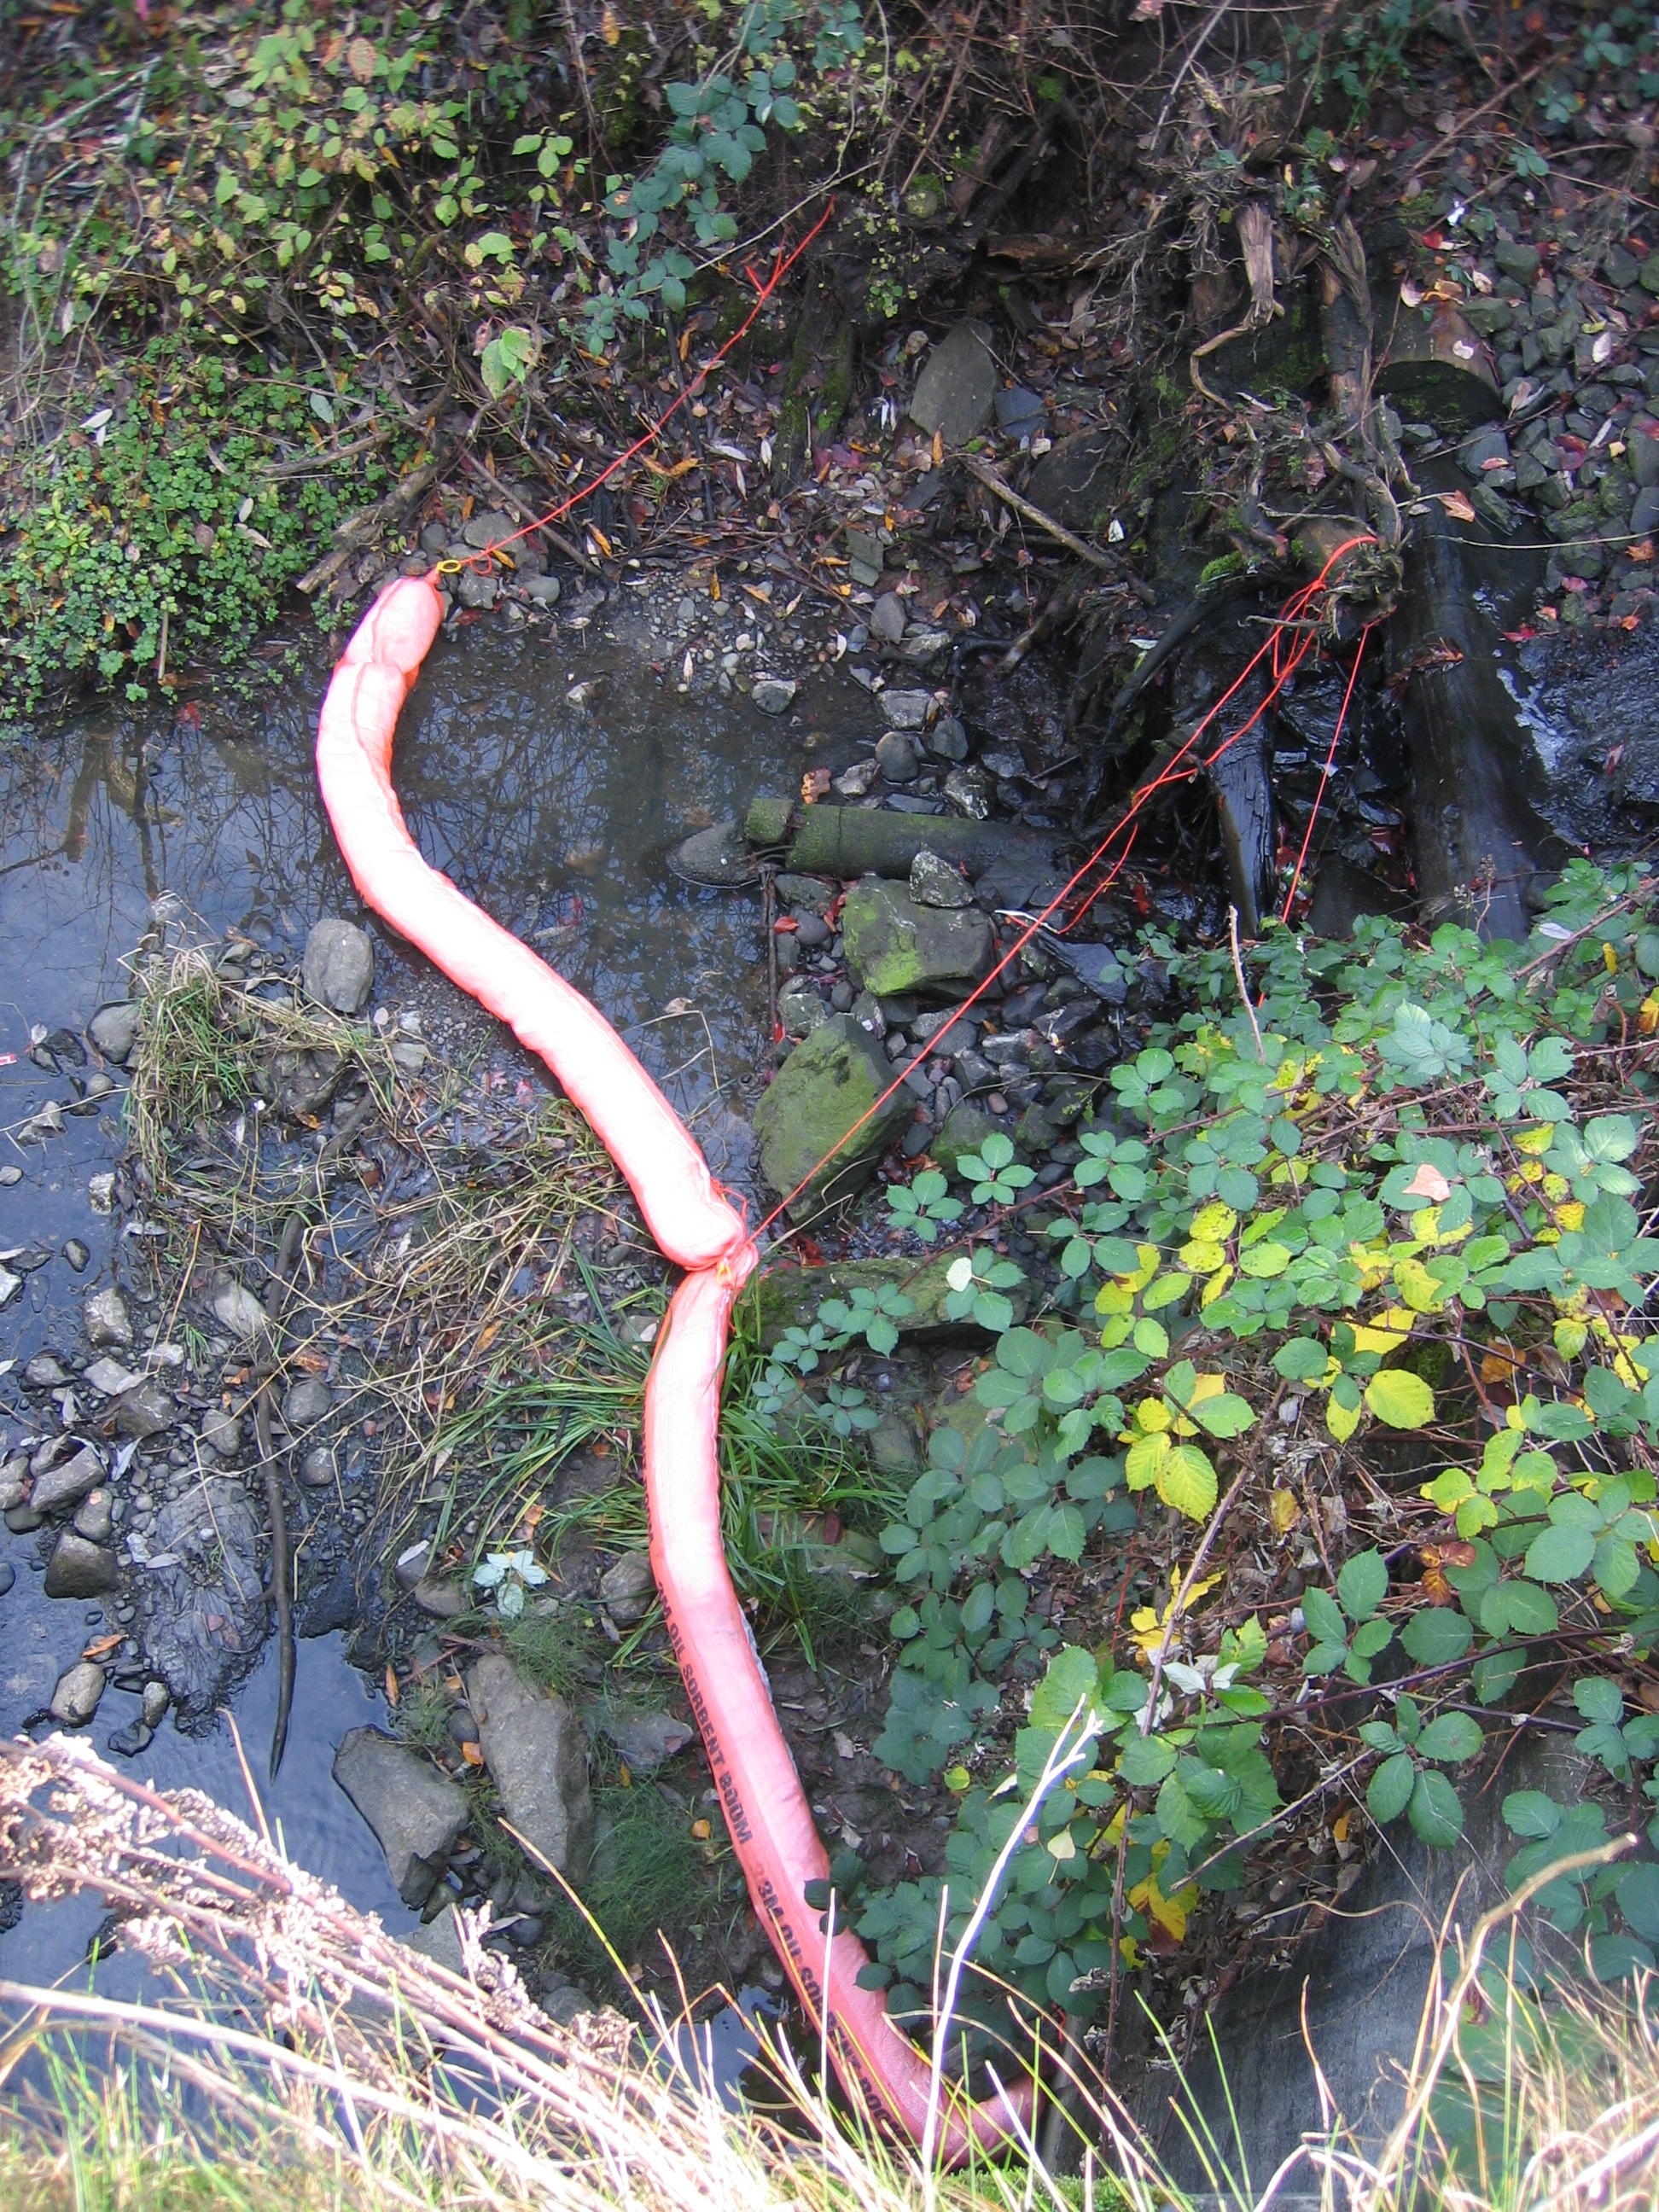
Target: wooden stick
(1006, 492)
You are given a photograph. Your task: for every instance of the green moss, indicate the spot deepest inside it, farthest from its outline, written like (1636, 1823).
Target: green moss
(897, 947)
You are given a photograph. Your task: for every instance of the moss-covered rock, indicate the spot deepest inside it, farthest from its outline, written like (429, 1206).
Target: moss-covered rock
(789, 1298)
(895, 945)
(767, 821)
(812, 1113)
(966, 1128)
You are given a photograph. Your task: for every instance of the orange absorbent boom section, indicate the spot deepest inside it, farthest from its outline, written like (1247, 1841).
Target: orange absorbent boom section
(765, 1806)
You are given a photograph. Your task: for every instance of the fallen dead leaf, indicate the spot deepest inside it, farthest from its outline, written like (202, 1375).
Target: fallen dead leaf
(1429, 1184)
(1456, 503)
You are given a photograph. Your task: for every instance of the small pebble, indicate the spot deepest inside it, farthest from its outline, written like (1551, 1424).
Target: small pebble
(996, 1103)
(77, 1255)
(7, 1575)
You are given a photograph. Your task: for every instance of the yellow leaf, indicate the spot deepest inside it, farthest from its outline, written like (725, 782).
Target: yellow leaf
(1169, 1912)
(1115, 1298)
(1151, 1416)
(1217, 1284)
(1144, 1459)
(1340, 1421)
(701, 1830)
(1214, 1222)
(1571, 1215)
(1286, 1511)
(1418, 1288)
(1647, 1017)
(1062, 1845)
(1610, 960)
(1534, 1141)
(1387, 1332)
(390, 1684)
(1202, 1256)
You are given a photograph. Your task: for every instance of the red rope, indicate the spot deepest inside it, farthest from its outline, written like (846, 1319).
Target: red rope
(1325, 773)
(1284, 667)
(781, 264)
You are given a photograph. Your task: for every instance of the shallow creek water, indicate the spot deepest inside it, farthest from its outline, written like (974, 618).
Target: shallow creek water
(555, 815)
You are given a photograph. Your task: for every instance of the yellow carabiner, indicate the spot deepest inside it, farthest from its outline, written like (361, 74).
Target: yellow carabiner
(448, 567)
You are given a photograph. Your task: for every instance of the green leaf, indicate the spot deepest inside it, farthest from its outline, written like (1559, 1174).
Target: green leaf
(1401, 1399)
(1599, 1699)
(1302, 1360)
(1560, 1555)
(1531, 1813)
(1389, 1790)
(1435, 1636)
(1324, 1617)
(1363, 1584)
(1073, 1675)
(1145, 1760)
(1637, 1892)
(1434, 1811)
(1451, 1738)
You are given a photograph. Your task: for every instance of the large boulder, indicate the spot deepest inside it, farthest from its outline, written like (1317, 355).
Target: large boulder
(811, 1124)
(536, 1753)
(898, 947)
(417, 1814)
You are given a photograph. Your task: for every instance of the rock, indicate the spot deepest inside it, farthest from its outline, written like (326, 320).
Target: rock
(339, 965)
(237, 1309)
(887, 618)
(645, 1740)
(107, 1377)
(1074, 481)
(10, 1285)
(96, 1519)
(895, 1444)
(473, 590)
(75, 1700)
(127, 1742)
(628, 1588)
(1020, 413)
(1516, 259)
(79, 1569)
(46, 1371)
(801, 1011)
(543, 590)
(965, 1129)
(153, 1703)
(894, 945)
(417, 1814)
(947, 739)
(13, 1481)
(897, 756)
(772, 695)
(107, 1321)
(439, 1942)
(114, 1029)
(11, 1173)
(853, 782)
(767, 821)
(968, 790)
(811, 929)
(221, 1433)
(305, 1401)
(1642, 440)
(1487, 445)
(1644, 515)
(536, 1754)
(7, 1575)
(317, 1469)
(825, 1087)
(444, 1601)
(957, 387)
(200, 1599)
(867, 549)
(789, 1298)
(934, 882)
(68, 1483)
(23, 1520)
(717, 855)
(144, 1412)
(411, 1564)
(906, 710)
(489, 529)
